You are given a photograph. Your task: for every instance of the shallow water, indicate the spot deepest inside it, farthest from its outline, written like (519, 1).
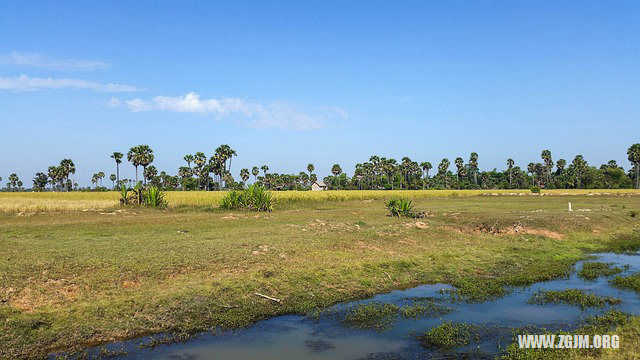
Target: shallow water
(295, 337)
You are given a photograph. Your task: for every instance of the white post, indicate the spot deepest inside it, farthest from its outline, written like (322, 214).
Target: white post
(570, 209)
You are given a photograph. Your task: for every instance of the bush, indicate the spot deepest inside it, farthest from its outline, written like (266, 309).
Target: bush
(153, 197)
(633, 213)
(535, 189)
(254, 198)
(400, 206)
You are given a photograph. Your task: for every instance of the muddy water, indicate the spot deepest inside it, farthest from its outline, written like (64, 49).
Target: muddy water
(326, 337)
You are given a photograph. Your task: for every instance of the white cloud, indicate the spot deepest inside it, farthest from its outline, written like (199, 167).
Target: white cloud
(26, 83)
(275, 115)
(41, 61)
(114, 102)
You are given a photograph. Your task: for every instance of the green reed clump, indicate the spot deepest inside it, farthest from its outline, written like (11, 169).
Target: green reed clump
(400, 206)
(595, 269)
(447, 336)
(254, 198)
(572, 297)
(631, 282)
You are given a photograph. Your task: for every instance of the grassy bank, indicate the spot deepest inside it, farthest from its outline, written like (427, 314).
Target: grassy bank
(73, 279)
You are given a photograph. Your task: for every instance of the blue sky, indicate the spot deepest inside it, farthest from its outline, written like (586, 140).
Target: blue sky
(288, 83)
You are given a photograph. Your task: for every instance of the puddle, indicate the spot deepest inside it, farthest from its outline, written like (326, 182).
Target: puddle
(326, 337)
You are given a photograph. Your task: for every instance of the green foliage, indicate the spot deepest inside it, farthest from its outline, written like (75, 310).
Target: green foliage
(124, 195)
(535, 189)
(593, 270)
(153, 197)
(447, 336)
(400, 206)
(373, 316)
(572, 297)
(254, 198)
(631, 282)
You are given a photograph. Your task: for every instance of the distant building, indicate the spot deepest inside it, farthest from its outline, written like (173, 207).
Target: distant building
(318, 186)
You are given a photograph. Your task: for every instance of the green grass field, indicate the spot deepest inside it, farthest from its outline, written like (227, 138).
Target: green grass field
(76, 270)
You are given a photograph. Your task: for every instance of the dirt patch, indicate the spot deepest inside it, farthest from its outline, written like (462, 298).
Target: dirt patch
(517, 228)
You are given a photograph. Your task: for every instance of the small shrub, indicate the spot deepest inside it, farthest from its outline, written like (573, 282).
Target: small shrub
(400, 206)
(535, 189)
(153, 197)
(254, 198)
(633, 213)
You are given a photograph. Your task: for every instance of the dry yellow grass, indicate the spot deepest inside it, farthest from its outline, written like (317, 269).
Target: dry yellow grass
(29, 202)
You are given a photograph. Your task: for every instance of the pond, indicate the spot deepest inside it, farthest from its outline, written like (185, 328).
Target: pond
(327, 335)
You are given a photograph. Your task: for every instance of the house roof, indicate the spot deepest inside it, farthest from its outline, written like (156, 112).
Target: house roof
(320, 183)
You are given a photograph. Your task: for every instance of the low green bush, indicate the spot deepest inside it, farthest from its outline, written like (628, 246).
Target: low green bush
(254, 198)
(400, 206)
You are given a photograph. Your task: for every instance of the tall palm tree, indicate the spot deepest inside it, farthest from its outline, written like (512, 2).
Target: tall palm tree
(150, 172)
(560, 164)
(336, 170)
(510, 164)
(100, 177)
(189, 159)
(255, 171)
(633, 154)
(199, 160)
(113, 178)
(426, 166)
(310, 169)
(264, 169)
(579, 165)
(459, 169)
(473, 166)
(146, 158)
(133, 156)
(244, 174)
(443, 168)
(67, 167)
(117, 156)
(548, 163)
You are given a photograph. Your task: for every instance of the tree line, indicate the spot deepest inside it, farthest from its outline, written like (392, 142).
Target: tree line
(379, 173)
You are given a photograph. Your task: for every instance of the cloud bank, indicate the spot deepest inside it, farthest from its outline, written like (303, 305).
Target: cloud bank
(26, 83)
(41, 61)
(280, 115)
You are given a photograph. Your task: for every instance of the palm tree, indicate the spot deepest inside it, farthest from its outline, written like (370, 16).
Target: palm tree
(150, 172)
(244, 174)
(560, 164)
(255, 171)
(146, 158)
(426, 166)
(579, 165)
(113, 179)
(473, 165)
(336, 170)
(117, 156)
(443, 168)
(264, 169)
(310, 169)
(199, 159)
(633, 154)
(189, 159)
(548, 163)
(100, 177)
(510, 163)
(460, 168)
(133, 156)
(67, 167)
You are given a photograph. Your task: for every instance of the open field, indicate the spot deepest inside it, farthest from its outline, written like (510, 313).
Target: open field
(78, 278)
(87, 201)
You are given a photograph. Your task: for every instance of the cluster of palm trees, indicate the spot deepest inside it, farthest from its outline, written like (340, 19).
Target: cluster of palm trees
(387, 173)
(210, 173)
(214, 172)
